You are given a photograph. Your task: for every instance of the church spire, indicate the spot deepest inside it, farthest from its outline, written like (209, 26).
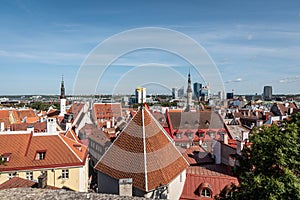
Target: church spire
(62, 98)
(189, 89)
(189, 93)
(62, 88)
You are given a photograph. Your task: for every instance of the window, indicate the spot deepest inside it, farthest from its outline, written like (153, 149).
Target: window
(206, 193)
(29, 175)
(65, 174)
(6, 157)
(40, 155)
(178, 135)
(11, 175)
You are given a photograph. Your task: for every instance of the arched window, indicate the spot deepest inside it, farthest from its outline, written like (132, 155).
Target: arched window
(206, 192)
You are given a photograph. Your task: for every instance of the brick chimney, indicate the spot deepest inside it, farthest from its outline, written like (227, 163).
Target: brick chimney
(42, 180)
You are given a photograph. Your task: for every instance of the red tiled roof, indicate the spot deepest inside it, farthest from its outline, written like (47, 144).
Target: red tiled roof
(38, 126)
(196, 155)
(21, 114)
(215, 176)
(4, 117)
(144, 152)
(75, 109)
(60, 151)
(17, 182)
(72, 135)
(4, 114)
(196, 120)
(107, 110)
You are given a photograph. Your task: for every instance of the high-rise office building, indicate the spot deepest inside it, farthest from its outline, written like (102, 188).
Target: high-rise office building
(197, 90)
(181, 92)
(174, 93)
(268, 93)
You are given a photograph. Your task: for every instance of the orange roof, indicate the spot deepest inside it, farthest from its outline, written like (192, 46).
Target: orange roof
(32, 119)
(4, 114)
(144, 152)
(72, 135)
(107, 110)
(21, 114)
(38, 126)
(216, 177)
(23, 148)
(4, 117)
(16, 182)
(196, 155)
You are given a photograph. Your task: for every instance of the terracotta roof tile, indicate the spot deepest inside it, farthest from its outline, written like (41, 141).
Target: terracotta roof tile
(143, 147)
(216, 177)
(16, 182)
(60, 151)
(196, 120)
(38, 126)
(196, 155)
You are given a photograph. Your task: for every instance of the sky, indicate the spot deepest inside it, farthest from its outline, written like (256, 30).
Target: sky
(252, 44)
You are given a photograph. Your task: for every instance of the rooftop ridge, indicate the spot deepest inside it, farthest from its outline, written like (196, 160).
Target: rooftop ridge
(145, 152)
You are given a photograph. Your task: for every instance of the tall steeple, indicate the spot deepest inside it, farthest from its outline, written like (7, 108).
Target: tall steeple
(62, 98)
(62, 88)
(189, 93)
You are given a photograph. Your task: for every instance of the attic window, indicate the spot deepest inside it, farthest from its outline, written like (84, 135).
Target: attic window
(206, 193)
(40, 155)
(77, 146)
(6, 157)
(204, 190)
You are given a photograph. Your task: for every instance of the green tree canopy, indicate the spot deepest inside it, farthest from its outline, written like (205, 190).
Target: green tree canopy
(269, 167)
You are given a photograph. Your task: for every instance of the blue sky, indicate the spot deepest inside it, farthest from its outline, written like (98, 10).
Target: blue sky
(253, 43)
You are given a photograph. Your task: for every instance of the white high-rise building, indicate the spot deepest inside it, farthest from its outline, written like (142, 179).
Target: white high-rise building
(140, 95)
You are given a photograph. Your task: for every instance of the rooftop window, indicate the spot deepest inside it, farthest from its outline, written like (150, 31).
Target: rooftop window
(40, 155)
(206, 193)
(6, 157)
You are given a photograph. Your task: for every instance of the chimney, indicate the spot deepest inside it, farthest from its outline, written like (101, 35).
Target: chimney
(286, 104)
(68, 126)
(259, 123)
(125, 187)
(2, 127)
(224, 138)
(51, 125)
(239, 147)
(217, 151)
(108, 124)
(112, 121)
(290, 111)
(245, 136)
(42, 180)
(30, 128)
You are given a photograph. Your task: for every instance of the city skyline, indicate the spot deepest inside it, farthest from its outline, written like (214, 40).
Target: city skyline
(253, 44)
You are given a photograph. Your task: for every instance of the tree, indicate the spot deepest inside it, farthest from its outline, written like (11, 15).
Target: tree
(269, 167)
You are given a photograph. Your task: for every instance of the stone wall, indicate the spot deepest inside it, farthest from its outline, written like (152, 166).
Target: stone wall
(45, 194)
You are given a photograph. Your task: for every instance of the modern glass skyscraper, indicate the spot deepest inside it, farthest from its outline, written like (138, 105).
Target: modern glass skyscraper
(267, 93)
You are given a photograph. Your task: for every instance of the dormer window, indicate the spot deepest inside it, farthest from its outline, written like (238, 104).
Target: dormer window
(40, 155)
(206, 193)
(6, 157)
(205, 190)
(78, 147)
